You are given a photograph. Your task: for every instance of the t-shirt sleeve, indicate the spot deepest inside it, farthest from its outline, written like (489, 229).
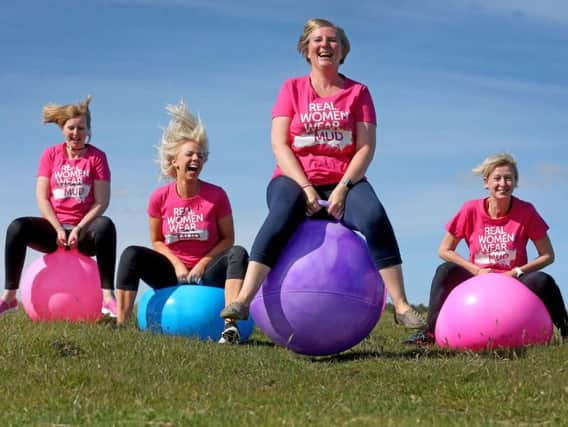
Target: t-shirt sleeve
(284, 107)
(45, 163)
(536, 227)
(102, 169)
(155, 205)
(460, 225)
(364, 110)
(223, 206)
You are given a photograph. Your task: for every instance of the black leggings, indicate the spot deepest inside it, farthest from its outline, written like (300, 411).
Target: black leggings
(363, 212)
(98, 239)
(139, 262)
(449, 275)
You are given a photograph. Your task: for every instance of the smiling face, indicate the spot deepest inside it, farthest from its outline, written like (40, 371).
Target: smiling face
(75, 131)
(501, 182)
(324, 48)
(189, 160)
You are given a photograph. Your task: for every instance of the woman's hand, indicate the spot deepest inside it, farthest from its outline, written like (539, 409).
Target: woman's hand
(73, 238)
(182, 273)
(336, 201)
(61, 239)
(483, 271)
(312, 197)
(196, 273)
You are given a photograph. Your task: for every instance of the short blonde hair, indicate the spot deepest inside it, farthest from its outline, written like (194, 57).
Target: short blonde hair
(314, 24)
(183, 127)
(59, 114)
(492, 162)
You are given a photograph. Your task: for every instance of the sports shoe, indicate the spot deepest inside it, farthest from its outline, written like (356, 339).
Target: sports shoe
(235, 310)
(7, 307)
(411, 319)
(109, 308)
(230, 334)
(420, 338)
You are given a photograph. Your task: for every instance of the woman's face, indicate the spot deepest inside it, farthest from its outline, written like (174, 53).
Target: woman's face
(189, 160)
(324, 48)
(75, 132)
(501, 182)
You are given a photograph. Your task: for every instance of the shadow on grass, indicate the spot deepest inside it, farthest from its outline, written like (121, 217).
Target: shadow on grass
(420, 353)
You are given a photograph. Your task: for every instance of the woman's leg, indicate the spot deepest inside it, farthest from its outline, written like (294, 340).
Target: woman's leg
(544, 286)
(364, 212)
(448, 275)
(36, 233)
(286, 206)
(99, 239)
(229, 269)
(138, 262)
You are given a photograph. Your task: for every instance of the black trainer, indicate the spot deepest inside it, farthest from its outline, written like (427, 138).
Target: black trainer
(420, 338)
(230, 334)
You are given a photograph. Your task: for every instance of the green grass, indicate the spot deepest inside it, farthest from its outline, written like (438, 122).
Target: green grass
(93, 374)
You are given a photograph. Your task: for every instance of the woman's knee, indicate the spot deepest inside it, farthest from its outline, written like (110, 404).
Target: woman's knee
(238, 255)
(104, 225)
(17, 228)
(129, 256)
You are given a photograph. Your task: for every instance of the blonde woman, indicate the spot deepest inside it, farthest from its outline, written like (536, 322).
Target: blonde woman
(191, 226)
(323, 139)
(72, 192)
(503, 218)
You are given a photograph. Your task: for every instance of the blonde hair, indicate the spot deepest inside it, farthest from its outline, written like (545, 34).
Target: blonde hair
(314, 24)
(492, 162)
(59, 114)
(183, 127)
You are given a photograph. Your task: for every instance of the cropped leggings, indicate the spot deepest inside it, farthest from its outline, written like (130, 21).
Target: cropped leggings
(449, 275)
(98, 239)
(139, 262)
(363, 212)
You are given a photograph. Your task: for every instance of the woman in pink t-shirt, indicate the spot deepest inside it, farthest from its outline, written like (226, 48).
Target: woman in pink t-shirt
(323, 138)
(72, 191)
(191, 226)
(496, 230)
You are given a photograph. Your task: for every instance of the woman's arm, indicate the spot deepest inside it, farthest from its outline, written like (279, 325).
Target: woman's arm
(226, 241)
(365, 150)
(44, 205)
(289, 164)
(545, 257)
(447, 252)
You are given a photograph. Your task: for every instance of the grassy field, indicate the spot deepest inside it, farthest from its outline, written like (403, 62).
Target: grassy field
(62, 374)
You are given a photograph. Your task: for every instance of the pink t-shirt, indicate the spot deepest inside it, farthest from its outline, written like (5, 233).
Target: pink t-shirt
(190, 226)
(322, 131)
(71, 180)
(499, 244)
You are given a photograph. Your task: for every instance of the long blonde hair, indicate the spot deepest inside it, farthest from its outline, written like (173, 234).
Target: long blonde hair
(183, 127)
(59, 114)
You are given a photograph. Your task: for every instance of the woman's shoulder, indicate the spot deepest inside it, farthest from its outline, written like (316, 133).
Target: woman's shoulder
(162, 191)
(95, 151)
(208, 187)
(523, 204)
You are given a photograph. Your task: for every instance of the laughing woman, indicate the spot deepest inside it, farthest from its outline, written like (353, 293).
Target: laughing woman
(72, 192)
(202, 253)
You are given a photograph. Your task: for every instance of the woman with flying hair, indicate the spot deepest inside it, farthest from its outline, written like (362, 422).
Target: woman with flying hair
(72, 192)
(191, 226)
(480, 220)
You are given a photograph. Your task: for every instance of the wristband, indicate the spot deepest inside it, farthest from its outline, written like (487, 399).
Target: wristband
(347, 182)
(518, 272)
(306, 185)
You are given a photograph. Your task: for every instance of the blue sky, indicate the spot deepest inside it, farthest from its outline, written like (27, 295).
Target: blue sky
(453, 81)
